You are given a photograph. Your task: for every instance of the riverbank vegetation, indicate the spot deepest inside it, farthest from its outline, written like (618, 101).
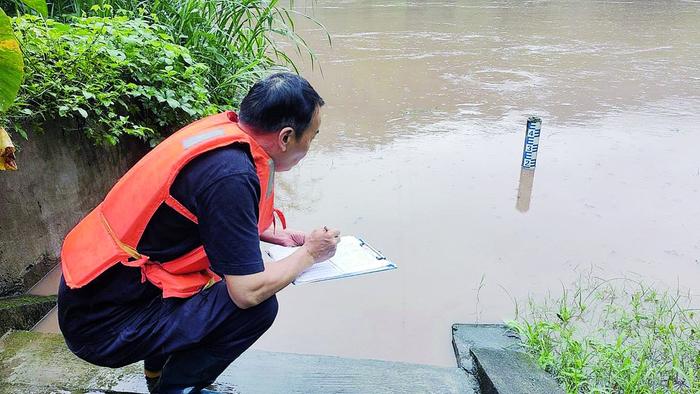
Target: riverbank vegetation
(615, 336)
(114, 75)
(121, 67)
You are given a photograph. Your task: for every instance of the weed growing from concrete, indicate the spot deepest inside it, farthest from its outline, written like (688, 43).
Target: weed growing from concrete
(615, 336)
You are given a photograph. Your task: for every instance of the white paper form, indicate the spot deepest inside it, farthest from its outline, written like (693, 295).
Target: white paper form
(352, 257)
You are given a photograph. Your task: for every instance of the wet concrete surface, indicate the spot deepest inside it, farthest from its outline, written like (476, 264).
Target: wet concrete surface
(32, 362)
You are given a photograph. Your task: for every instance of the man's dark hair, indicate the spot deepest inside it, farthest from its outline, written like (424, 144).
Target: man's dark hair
(278, 101)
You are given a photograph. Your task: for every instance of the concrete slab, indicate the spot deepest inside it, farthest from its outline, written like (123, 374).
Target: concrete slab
(495, 336)
(511, 372)
(31, 361)
(494, 355)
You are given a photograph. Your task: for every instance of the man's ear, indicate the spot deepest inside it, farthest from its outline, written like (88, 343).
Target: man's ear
(285, 136)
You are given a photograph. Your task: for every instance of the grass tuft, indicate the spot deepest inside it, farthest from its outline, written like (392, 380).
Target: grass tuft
(615, 336)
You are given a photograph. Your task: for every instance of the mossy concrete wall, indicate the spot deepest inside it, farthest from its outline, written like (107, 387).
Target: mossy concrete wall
(61, 177)
(23, 312)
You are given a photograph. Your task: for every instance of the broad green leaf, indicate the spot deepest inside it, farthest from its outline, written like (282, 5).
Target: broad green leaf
(11, 63)
(173, 103)
(38, 6)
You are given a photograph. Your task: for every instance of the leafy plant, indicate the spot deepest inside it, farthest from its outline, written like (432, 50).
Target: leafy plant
(11, 64)
(11, 74)
(113, 75)
(19, 7)
(617, 336)
(156, 66)
(237, 39)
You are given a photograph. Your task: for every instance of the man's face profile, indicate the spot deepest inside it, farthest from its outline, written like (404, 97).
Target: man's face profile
(296, 148)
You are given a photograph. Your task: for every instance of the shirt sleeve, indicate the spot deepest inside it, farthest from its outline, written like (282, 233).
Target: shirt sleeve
(228, 224)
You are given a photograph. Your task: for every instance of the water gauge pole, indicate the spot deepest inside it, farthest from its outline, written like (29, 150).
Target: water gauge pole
(527, 172)
(532, 142)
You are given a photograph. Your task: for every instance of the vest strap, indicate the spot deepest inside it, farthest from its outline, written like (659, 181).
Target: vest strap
(283, 220)
(139, 263)
(181, 209)
(131, 251)
(154, 272)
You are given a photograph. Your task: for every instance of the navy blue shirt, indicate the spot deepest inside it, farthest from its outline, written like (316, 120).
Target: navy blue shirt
(222, 189)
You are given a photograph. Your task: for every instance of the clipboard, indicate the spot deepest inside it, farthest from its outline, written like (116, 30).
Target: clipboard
(354, 256)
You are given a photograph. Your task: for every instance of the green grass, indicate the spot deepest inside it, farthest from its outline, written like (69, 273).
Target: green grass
(615, 336)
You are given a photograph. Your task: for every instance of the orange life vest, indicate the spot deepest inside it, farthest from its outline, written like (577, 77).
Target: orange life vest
(109, 234)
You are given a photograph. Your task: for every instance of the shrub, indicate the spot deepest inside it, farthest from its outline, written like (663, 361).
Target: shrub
(114, 75)
(155, 67)
(237, 39)
(616, 336)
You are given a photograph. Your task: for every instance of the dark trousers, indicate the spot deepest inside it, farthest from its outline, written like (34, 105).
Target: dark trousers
(191, 340)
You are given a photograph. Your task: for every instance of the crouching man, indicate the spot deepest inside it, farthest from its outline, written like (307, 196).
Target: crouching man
(167, 269)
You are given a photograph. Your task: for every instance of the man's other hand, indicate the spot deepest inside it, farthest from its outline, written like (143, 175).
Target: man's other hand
(321, 243)
(285, 237)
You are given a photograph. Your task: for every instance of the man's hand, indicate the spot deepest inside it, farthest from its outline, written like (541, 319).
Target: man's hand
(250, 290)
(321, 243)
(283, 237)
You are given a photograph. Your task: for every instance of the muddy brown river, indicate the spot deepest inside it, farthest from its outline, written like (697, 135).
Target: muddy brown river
(420, 149)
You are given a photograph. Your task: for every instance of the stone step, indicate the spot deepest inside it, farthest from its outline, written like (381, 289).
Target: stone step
(40, 362)
(494, 355)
